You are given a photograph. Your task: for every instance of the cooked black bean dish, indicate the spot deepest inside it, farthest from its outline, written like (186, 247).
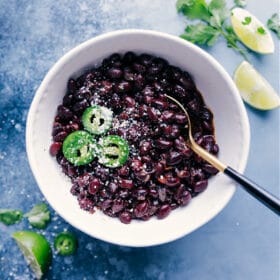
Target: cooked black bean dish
(122, 142)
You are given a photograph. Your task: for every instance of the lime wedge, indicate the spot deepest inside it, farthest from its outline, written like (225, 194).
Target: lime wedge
(254, 88)
(36, 250)
(251, 31)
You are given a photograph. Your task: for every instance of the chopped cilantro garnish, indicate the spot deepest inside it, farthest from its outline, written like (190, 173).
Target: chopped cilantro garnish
(273, 24)
(261, 30)
(39, 216)
(247, 20)
(10, 217)
(240, 3)
(213, 16)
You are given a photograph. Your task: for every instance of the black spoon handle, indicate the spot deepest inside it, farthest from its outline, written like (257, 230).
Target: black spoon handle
(254, 189)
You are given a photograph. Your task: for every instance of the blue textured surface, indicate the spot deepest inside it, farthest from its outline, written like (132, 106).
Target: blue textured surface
(242, 242)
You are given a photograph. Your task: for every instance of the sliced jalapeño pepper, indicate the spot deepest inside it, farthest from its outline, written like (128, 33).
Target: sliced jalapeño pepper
(114, 151)
(97, 119)
(79, 147)
(65, 243)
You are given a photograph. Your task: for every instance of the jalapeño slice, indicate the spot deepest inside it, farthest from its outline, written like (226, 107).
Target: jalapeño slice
(97, 119)
(65, 243)
(114, 151)
(79, 147)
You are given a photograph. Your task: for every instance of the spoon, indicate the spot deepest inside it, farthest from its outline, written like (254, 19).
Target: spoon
(251, 187)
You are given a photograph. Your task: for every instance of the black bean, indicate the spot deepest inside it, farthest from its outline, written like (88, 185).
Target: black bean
(145, 59)
(125, 217)
(162, 194)
(181, 118)
(139, 82)
(152, 113)
(59, 137)
(123, 86)
(55, 148)
(215, 149)
(72, 86)
(185, 198)
(167, 116)
(64, 113)
(160, 104)
(114, 57)
(94, 186)
(163, 211)
(140, 193)
(180, 91)
(174, 158)
(164, 144)
(118, 205)
(145, 147)
(126, 183)
(129, 75)
(129, 102)
(210, 169)
(183, 174)
(57, 127)
(115, 73)
(141, 209)
(200, 186)
(129, 57)
(79, 107)
(67, 100)
(142, 176)
(186, 83)
(113, 187)
(139, 68)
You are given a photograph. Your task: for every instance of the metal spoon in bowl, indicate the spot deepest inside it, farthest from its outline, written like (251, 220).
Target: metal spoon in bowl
(251, 187)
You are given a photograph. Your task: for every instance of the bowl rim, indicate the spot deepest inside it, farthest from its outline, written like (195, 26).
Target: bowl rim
(71, 53)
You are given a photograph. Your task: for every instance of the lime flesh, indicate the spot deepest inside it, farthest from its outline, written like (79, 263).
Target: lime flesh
(251, 32)
(254, 88)
(36, 251)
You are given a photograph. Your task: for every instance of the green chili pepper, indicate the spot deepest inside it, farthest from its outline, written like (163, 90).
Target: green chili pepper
(66, 243)
(97, 119)
(114, 151)
(79, 147)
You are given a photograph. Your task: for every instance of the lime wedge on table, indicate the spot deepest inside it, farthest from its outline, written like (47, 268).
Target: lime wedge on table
(254, 88)
(36, 251)
(251, 31)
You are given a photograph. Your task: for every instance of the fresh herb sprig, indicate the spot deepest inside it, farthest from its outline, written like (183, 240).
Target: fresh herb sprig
(212, 25)
(273, 24)
(240, 3)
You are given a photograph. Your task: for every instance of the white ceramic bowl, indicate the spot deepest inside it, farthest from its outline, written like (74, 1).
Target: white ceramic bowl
(220, 94)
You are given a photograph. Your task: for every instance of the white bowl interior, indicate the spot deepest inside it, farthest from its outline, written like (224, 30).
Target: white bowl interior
(221, 96)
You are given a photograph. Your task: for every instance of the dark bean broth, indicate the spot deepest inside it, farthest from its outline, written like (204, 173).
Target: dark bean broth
(162, 173)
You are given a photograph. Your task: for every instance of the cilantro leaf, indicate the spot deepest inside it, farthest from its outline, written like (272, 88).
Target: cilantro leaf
(212, 24)
(261, 30)
(246, 21)
(194, 9)
(10, 217)
(219, 12)
(274, 24)
(240, 3)
(39, 216)
(201, 34)
(232, 41)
